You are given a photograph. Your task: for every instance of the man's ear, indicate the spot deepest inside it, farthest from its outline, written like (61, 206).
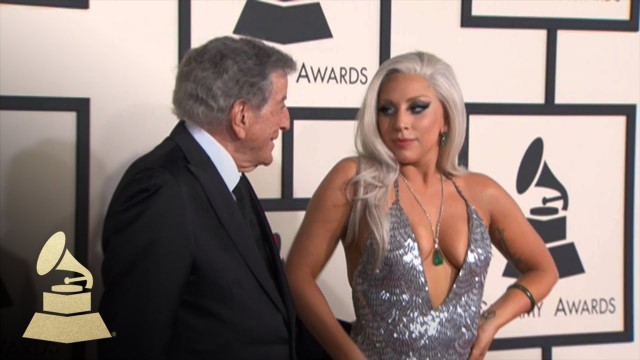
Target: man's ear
(239, 118)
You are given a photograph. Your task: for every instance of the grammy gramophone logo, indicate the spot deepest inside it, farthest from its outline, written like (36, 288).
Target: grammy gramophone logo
(283, 22)
(549, 219)
(66, 316)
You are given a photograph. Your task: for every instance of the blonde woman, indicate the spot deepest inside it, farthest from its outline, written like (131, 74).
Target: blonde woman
(417, 229)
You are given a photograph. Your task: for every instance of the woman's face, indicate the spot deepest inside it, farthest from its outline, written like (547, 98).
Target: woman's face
(410, 118)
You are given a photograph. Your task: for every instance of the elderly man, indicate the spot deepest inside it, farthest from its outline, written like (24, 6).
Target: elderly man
(190, 267)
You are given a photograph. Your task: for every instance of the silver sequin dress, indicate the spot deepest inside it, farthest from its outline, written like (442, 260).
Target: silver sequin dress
(395, 318)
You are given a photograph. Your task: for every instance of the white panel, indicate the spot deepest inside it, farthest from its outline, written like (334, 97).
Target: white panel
(598, 67)
(623, 351)
(122, 55)
(210, 19)
(554, 9)
(37, 179)
(590, 165)
(318, 146)
(520, 354)
(37, 199)
(492, 65)
(333, 280)
(353, 50)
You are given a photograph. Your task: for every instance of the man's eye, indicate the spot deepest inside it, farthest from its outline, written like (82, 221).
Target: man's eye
(386, 110)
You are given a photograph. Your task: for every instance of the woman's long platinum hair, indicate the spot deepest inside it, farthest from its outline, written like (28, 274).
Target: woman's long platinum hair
(377, 167)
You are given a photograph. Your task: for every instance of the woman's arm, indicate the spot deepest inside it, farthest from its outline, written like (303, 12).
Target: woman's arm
(513, 235)
(323, 226)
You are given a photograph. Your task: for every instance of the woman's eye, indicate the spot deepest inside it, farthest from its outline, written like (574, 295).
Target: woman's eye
(386, 110)
(417, 108)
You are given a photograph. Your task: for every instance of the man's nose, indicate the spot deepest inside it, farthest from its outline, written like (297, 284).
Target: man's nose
(285, 123)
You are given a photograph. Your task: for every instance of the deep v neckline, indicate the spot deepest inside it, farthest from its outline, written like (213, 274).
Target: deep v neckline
(420, 265)
(395, 315)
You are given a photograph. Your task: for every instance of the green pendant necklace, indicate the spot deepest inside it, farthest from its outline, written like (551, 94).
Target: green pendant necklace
(437, 253)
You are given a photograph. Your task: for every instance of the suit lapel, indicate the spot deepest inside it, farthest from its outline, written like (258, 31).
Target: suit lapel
(275, 255)
(225, 208)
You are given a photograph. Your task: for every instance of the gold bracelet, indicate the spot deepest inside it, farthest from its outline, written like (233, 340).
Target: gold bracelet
(526, 292)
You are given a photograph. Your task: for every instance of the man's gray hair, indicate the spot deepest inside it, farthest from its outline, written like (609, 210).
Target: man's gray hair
(213, 76)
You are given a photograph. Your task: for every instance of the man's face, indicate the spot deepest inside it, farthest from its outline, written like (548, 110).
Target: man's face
(266, 124)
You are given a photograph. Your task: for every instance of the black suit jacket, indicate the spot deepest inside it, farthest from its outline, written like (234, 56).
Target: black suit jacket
(183, 278)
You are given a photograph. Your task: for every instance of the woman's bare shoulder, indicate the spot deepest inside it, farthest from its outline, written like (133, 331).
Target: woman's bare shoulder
(343, 171)
(348, 165)
(479, 188)
(475, 181)
(337, 180)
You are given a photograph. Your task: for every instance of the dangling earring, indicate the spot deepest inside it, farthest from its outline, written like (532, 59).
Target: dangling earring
(444, 138)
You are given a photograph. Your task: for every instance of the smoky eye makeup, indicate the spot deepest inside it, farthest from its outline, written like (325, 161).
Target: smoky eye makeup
(418, 107)
(386, 109)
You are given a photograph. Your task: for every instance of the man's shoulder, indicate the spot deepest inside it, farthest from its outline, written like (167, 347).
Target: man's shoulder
(166, 156)
(162, 166)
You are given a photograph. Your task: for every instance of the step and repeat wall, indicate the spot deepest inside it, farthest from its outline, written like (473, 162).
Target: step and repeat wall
(552, 89)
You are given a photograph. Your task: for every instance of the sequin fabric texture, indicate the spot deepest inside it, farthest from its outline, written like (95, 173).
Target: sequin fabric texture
(395, 318)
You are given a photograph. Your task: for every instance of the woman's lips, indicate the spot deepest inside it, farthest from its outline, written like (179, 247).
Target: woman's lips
(403, 143)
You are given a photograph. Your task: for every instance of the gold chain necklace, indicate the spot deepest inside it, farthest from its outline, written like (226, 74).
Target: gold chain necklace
(437, 254)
